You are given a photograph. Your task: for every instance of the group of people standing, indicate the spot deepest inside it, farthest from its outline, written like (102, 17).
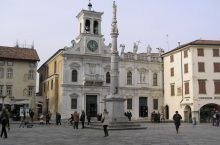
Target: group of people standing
(157, 117)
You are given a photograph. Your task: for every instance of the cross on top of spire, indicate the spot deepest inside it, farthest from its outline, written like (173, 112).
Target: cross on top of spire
(90, 5)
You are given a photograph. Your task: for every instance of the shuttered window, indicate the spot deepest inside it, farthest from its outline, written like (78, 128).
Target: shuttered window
(171, 71)
(200, 51)
(186, 68)
(186, 88)
(201, 67)
(202, 86)
(172, 89)
(216, 67)
(215, 52)
(171, 58)
(217, 86)
(185, 53)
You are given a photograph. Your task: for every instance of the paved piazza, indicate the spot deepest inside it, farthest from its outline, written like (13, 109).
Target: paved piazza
(156, 134)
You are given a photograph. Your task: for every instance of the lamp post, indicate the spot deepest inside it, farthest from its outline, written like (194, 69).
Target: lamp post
(47, 104)
(3, 99)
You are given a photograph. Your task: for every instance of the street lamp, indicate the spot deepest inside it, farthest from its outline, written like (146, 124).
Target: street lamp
(3, 99)
(47, 105)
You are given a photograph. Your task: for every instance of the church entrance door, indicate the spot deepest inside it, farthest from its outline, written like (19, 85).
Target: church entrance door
(91, 105)
(143, 109)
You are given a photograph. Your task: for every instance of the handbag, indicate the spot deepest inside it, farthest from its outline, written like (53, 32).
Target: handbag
(102, 120)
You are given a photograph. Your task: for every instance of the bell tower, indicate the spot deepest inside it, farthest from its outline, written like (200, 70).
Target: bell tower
(89, 22)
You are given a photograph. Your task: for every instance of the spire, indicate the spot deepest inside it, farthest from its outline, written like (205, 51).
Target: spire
(114, 30)
(90, 5)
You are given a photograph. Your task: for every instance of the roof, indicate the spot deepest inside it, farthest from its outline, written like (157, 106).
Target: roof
(18, 53)
(196, 42)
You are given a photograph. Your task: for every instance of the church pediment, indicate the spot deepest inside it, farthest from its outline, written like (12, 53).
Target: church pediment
(74, 95)
(74, 65)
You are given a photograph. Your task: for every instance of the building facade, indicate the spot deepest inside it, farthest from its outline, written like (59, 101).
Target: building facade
(18, 67)
(77, 78)
(192, 80)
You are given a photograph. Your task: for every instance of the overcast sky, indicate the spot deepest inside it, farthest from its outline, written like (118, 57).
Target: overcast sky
(52, 24)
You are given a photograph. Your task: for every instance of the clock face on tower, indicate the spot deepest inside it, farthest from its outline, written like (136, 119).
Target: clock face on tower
(92, 45)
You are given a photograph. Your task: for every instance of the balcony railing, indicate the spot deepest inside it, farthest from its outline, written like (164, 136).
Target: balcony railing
(93, 78)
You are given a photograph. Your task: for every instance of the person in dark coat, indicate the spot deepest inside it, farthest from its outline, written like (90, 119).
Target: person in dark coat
(5, 122)
(177, 118)
(82, 118)
(129, 115)
(31, 113)
(58, 118)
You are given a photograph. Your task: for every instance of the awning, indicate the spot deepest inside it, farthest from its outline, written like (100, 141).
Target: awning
(20, 102)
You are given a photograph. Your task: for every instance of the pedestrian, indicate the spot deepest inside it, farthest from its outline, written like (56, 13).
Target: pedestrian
(4, 118)
(105, 122)
(88, 118)
(58, 118)
(129, 115)
(76, 120)
(177, 118)
(82, 118)
(48, 116)
(217, 118)
(31, 113)
(23, 118)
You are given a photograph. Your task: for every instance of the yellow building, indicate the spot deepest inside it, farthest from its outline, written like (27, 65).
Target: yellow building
(18, 68)
(50, 76)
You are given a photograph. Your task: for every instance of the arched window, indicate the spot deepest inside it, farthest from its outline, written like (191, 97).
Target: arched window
(87, 26)
(154, 79)
(74, 75)
(129, 78)
(95, 27)
(107, 78)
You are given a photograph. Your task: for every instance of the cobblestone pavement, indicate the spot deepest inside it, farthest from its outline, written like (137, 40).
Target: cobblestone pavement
(155, 134)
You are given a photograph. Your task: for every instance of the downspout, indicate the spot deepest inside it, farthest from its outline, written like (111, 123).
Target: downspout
(181, 73)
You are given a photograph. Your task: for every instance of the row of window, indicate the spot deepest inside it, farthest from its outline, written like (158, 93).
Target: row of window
(200, 52)
(9, 75)
(9, 63)
(129, 77)
(202, 87)
(129, 103)
(201, 68)
(9, 89)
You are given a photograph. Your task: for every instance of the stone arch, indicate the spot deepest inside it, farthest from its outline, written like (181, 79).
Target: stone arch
(206, 112)
(87, 26)
(96, 27)
(187, 114)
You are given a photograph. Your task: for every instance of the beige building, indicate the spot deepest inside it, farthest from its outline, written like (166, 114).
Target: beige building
(192, 80)
(18, 68)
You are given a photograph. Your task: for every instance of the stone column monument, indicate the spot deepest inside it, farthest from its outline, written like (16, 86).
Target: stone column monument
(115, 102)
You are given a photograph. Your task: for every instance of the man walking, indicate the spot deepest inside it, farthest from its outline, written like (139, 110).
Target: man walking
(177, 117)
(5, 122)
(105, 122)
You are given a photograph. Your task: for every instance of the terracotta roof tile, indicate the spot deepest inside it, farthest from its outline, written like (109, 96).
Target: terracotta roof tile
(18, 53)
(196, 42)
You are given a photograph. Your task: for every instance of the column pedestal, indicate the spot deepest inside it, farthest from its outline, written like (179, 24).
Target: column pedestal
(115, 107)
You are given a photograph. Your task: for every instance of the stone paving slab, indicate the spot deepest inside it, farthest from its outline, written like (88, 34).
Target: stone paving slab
(155, 134)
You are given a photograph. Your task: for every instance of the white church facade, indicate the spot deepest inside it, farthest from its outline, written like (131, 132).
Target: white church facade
(78, 78)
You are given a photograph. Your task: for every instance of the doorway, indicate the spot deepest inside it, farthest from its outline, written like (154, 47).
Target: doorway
(188, 114)
(143, 108)
(91, 105)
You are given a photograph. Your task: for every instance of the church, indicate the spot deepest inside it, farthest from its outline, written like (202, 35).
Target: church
(78, 77)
